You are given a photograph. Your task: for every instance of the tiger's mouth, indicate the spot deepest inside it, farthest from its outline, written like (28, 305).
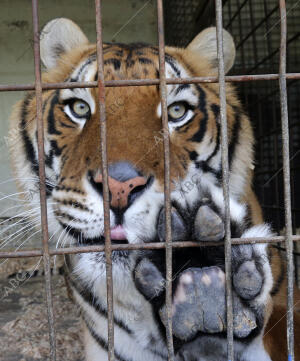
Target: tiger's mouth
(181, 230)
(82, 240)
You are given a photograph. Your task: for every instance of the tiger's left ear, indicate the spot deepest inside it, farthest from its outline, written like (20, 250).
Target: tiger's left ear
(205, 45)
(58, 37)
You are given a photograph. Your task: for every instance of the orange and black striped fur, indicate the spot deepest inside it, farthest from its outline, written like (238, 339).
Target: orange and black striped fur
(136, 168)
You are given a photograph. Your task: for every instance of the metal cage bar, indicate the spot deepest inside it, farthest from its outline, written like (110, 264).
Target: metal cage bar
(143, 82)
(141, 246)
(108, 251)
(167, 201)
(42, 177)
(225, 178)
(289, 238)
(286, 180)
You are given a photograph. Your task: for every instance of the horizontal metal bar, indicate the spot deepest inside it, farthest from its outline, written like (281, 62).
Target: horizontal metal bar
(141, 246)
(145, 82)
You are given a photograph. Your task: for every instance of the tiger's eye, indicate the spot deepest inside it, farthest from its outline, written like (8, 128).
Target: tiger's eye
(80, 108)
(177, 110)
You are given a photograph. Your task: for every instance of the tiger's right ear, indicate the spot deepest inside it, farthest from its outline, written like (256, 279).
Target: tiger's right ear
(58, 37)
(205, 46)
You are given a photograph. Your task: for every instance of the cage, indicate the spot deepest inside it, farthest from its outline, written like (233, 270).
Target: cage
(255, 26)
(257, 29)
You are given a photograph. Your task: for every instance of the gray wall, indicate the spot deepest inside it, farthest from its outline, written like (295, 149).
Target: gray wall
(123, 21)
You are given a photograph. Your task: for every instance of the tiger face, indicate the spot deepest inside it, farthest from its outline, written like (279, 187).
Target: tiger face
(134, 136)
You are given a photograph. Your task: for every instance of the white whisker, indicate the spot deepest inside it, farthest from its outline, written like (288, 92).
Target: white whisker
(24, 179)
(20, 246)
(11, 195)
(28, 226)
(24, 213)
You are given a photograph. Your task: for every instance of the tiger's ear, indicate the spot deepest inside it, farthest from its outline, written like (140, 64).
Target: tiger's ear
(58, 37)
(205, 44)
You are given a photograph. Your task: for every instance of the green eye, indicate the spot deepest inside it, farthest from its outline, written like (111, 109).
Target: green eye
(80, 109)
(177, 111)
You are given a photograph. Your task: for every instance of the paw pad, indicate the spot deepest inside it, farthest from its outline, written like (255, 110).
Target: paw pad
(148, 279)
(199, 304)
(208, 225)
(247, 280)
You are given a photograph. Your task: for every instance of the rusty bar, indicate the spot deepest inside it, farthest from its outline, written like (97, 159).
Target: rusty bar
(143, 246)
(225, 178)
(167, 202)
(286, 180)
(108, 251)
(142, 82)
(41, 157)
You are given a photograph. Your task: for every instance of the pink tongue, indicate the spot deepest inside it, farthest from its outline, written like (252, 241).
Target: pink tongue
(117, 233)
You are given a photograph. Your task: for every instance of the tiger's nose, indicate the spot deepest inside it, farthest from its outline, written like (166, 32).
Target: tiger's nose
(124, 184)
(121, 191)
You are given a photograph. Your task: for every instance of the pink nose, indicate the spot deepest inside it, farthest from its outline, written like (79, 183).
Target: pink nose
(120, 191)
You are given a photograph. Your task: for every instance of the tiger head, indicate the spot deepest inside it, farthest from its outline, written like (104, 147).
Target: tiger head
(134, 135)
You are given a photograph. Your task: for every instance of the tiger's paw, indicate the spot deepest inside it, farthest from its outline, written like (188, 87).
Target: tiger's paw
(208, 225)
(199, 305)
(199, 293)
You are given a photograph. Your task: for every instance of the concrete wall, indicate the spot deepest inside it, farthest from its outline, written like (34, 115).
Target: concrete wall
(123, 21)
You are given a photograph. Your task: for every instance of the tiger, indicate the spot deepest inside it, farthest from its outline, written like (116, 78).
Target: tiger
(74, 190)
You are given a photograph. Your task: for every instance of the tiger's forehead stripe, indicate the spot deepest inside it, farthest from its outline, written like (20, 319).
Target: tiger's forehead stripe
(87, 71)
(79, 73)
(83, 73)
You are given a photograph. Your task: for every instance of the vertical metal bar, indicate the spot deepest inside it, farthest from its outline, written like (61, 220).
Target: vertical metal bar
(41, 158)
(163, 95)
(225, 178)
(286, 179)
(108, 251)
